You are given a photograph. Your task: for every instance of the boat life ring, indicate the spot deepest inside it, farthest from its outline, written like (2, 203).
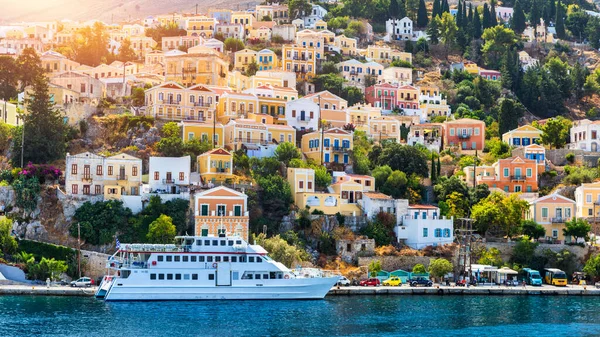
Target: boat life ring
(215, 265)
(286, 276)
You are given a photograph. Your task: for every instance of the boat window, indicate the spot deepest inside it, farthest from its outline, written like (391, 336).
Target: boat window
(217, 259)
(192, 258)
(251, 259)
(235, 275)
(185, 258)
(177, 258)
(223, 243)
(200, 258)
(169, 276)
(153, 276)
(225, 258)
(279, 275)
(265, 276)
(272, 275)
(249, 277)
(238, 242)
(257, 276)
(194, 276)
(234, 259)
(209, 259)
(211, 276)
(159, 258)
(215, 242)
(161, 276)
(243, 258)
(207, 242)
(198, 242)
(186, 276)
(169, 258)
(178, 276)
(258, 259)
(230, 242)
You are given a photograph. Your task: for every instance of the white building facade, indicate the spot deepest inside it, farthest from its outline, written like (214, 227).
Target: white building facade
(423, 227)
(585, 135)
(302, 114)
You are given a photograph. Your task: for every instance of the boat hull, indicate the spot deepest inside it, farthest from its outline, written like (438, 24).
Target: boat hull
(313, 288)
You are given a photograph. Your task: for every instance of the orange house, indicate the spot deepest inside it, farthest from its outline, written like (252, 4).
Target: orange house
(466, 134)
(513, 175)
(221, 210)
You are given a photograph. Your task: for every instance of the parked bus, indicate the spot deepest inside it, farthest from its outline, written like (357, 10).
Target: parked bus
(532, 277)
(555, 277)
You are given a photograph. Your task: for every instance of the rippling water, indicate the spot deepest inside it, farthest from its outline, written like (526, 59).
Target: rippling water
(335, 316)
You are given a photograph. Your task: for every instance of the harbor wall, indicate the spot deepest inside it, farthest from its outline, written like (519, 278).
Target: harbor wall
(94, 263)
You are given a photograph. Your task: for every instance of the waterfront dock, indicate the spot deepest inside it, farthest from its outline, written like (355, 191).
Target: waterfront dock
(42, 290)
(571, 290)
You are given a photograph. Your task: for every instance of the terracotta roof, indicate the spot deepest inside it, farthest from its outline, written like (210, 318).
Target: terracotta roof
(377, 195)
(423, 206)
(359, 176)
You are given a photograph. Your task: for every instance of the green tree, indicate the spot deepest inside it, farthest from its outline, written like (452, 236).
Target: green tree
(281, 250)
(448, 30)
(29, 68)
(558, 72)
(419, 269)
(523, 252)
(518, 22)
(322, 177)
(592, 31)
(162, 230)
(101, 221)
(407, 159)
(487, 21)
(491, 257)
(579, 76)
(510, 113)
(27, 192)
(395, 185)
(556, 132)
(560, 21)
(298, 8)
(252, 69)
(532, 229)
(8, 244)
(126, 53)
(446, 186)
(169, 30)
(374, 268)
(45, 131)
(353, 95)
(438, 268)
(493, 18)
(171, 144)
(577, 228)
(576, 23)
(592, 266)
(433, 30)
(9, 76)
(287, 151)
(331, 82)
(422, 19)
(90, 47)
(381, 174)
(138, 97)
(498, 40)
(233, 44)
(381, 229)
(477, 29)
(499, 214)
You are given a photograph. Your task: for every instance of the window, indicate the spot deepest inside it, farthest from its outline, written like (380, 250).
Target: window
(476, 131)
(588, 198)
(74, 189)
(185, 258)
(425, 232)
(195, 277)
(555, 233)
(301, 184)
(99, 170)
(217, 259)
(134, 171)
(437, 233)
(169, 258)
(110, 170)
(159, 258)
(234, 259)
(209, 259)
(211, 277)
(169, 276)
(153, 276)
(451, 132)
(97, 189)
(204, 210)
(193, 258)
(161, 276)
(181, 176)
(446, 233)
(528, 172)
(177, 258)
(237, 211)
(544, 212)
(178, 276)
(201, 259)
(73, 168)
(506, 171)
(251, 259)
(156, 175)
(309, 185)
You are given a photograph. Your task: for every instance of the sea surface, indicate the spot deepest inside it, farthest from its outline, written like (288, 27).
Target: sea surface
(334, 316)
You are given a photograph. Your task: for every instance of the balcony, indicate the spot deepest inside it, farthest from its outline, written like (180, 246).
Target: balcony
(518, 178)
(169, 102)
(303, 119)
(189, 70)
(339, 149)
(168, 181)
(352, 72)
(86, 178)
(559, 220)
(464, 136)
(251, 141)
(202, 104)
(122, 177)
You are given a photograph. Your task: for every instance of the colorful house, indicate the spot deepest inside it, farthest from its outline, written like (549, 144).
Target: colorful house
(587, 199)
(220, 211)
(243, 58)
(332, 108)
(522, 136)
(465, 133)
(552, 211)
(513, 175)
(203, 131)
(216, 166)
(329, 146)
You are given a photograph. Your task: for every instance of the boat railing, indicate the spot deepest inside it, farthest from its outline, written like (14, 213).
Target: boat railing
(135, 247)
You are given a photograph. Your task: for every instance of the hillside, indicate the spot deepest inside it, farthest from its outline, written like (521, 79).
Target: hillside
(106, 10)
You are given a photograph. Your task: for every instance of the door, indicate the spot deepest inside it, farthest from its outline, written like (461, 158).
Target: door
(326, 158)
(122, 173)
(558, 212)
(224, 274)
(86, 172)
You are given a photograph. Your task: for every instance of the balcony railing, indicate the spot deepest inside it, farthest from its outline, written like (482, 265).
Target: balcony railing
(121, 177)
(169, 101)
(339, 149)
(518, 178)
(203, 105)
(559, 220)
(303, 119)
(251, 141)
(464, 136)
(189, 70)
(168, 181)
(86, 177)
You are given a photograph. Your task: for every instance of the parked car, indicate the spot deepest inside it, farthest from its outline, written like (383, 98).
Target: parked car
(420, 281)
(343, 281)
(370, 282)
(82, 282)
(393, 281)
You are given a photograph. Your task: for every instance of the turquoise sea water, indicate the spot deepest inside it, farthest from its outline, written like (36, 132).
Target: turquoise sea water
(334, 316)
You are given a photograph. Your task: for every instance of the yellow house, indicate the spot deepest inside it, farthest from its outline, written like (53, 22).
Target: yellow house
(312, 39)
(522, 136)
(260, 33)
(587, 199)
(236, 105)
(200, 26)
(123, 176)
(347, 45)
(330, 146)
(384, 127)
(471, 67)
(216, 166)
(333, 108)
(552, 211)
(343, 198)
(361, 114)
(203, 131)
(244, 18)
(267, 60)
(172, 101)
(54, 63)
(200, 65)
(262, 118)
(320, 25)
(281, 133)
(301, 60)
(272, 106)
(245, 133)
(244, 58)
(385, 54)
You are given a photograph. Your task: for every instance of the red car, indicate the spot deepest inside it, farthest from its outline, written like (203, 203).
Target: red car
(370, 282)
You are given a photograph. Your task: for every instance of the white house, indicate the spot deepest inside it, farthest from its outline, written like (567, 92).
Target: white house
(423, 227)
(354, 71)
(169, 175)
(504, 14)
(527, 61)
(397, 75)
(400, 29)
(302, 114)
(317, 13)
(585, 135)
(373, 203)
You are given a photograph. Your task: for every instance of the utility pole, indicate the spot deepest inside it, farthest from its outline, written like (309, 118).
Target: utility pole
(464, 236)
(322, 129)
(22, 140)
(79, 250)
(214, 128)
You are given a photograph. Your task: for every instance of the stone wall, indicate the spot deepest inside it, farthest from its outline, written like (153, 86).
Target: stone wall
(391, 263)
(93, 264)
(557, 157)
(506, 249)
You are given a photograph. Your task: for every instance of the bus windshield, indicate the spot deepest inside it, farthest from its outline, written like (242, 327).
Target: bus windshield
(535, 276)
(560, 276)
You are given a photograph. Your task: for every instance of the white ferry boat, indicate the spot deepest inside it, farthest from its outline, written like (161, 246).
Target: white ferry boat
(207, 268)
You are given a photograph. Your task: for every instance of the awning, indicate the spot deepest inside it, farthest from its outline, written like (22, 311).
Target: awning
(507, 271)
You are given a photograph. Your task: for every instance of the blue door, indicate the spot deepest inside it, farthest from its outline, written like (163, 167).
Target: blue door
(336, 158)
(327, 157)
(345, 159)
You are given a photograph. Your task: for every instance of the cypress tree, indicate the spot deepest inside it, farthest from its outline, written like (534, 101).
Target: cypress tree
(436, 9)
(560, 21)
(409, 47)
(401, 9)
(487, 21)
(493, 16)
(394, 8)
(476, 24)
(518, 20)
(433, 170)
(445, 7)
(459, 15)
(433, 30)
(534, 16)
(422, 19)
(546, 14)
(439, 167)
(465, 22)
(552, 8)
(470, 15)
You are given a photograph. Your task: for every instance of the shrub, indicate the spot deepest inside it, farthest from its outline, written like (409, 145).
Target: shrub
(570, 157)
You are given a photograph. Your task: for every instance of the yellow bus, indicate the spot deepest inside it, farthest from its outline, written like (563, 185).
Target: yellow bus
(555, 277)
